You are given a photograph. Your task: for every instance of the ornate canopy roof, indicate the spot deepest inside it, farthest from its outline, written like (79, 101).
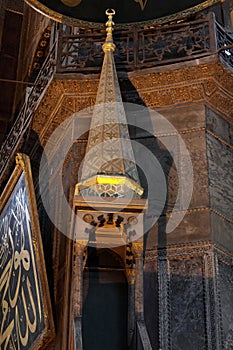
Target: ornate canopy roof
(109, 167)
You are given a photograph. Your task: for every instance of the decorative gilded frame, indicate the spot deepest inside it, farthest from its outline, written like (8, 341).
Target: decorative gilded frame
(33, 260)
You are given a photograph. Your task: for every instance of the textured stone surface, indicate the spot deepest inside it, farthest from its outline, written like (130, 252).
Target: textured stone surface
(164, 120)
(196, 145)
(194, 227)
(220, 162)
(170, 169)
(158, 169)
(187, 304)
(221, 231)
(185, 117)
(226, 298)
(195, 300)
(219, 126)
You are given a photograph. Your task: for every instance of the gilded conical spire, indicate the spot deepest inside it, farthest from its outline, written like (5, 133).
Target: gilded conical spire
(109, 167)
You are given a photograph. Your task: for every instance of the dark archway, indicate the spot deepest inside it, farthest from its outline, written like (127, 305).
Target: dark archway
(105, 305)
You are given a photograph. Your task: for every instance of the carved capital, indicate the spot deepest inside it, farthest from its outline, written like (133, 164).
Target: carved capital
(79, 247)
(137, 249)
(131, 276)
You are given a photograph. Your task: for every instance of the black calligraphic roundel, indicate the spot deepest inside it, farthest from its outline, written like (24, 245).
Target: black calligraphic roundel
(90, 13)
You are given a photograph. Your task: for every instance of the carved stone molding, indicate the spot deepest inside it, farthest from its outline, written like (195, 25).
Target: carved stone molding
(210, 84)
(182, 251)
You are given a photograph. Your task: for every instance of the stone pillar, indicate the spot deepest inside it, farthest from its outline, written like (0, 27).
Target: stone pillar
(137, 248)
(164, 339)
(130, 273)
(79, 249)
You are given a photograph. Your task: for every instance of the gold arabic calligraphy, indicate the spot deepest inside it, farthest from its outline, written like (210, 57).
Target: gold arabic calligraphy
(142, 3)
(20, 300)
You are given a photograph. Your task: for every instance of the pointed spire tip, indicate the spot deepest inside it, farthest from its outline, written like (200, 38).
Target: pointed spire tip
(109, 45)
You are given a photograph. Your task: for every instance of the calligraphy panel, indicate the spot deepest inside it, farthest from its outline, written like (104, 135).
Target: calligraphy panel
(25, 310)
